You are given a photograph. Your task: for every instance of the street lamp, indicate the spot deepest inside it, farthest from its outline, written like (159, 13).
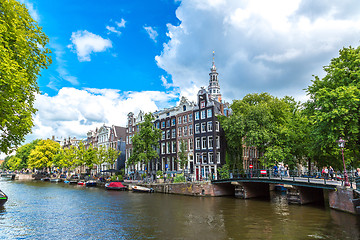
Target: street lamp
(342, 145)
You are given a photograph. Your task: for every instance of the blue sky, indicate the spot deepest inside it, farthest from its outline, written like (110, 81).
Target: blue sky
(126, 62)
(115, 56)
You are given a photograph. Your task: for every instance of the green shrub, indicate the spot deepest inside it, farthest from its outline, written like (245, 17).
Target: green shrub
(179, 178)
(159, 173)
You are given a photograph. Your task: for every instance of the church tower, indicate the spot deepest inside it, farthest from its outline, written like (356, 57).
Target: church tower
(214, 87)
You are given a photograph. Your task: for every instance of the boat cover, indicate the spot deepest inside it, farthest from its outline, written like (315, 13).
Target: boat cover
(115, 185)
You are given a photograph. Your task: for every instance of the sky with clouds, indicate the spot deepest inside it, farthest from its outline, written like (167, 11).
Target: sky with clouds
(111, 57)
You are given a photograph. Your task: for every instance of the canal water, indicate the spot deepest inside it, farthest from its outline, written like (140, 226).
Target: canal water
(44, 210)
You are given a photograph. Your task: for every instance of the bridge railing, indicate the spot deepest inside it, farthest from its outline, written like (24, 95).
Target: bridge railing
(290, 175)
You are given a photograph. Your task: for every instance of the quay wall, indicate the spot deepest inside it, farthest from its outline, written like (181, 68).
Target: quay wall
(193, 189)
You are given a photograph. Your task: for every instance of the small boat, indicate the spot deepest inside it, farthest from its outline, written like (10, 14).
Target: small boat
(82, 183)
(141, 189)
(66, 181)
(3, 198)
(72, 181)
(45, 179)
(90, 183)
(56, 180)
(115, 186)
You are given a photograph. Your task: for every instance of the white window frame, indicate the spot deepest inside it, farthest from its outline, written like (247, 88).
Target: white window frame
(209, 113)
(197, 128)
(203, 114)
(211, 159)
(210, 142)
(209, 126)
(197, 115)
(217, 142)
(217, 126)
(218, 157)
(203, 127)
(203, 142)
(197, 143)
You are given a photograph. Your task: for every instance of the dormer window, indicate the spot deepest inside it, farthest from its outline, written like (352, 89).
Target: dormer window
(184, 108)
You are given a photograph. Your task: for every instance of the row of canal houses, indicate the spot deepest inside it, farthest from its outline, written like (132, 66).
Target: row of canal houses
(195, 124)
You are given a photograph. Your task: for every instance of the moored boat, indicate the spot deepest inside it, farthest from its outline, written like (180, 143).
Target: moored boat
(3, 198)
(141, 189)
(82, 183)
(90, 183)
(56, 180)
(115, 186)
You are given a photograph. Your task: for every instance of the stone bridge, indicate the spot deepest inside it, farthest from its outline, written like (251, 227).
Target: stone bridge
(299, 190)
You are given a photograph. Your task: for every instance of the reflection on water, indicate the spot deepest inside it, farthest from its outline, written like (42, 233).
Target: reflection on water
(40, 210)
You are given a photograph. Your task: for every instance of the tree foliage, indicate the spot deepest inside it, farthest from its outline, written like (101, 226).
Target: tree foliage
(334, 109)
(43, 154)
(23, 54)
(182, 154)
(145, 142)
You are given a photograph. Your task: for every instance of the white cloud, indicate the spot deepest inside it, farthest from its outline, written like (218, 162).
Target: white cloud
(273, 46)
(115, 30)
(73, 112)
(84, 43)
(152, 33)
(121, 24)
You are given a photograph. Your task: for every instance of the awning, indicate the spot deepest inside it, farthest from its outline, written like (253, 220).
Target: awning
(110, 170)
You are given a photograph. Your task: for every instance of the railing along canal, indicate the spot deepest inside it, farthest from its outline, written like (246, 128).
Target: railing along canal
(289, 175)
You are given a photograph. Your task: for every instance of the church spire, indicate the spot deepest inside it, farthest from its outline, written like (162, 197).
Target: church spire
(214, 87)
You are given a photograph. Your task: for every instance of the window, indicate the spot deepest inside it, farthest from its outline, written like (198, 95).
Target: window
(209, 113)
(217, 126)
(190, 130)
(197, 128)
(173, 133)
(210, 142)
(203, 127)
(163, 148)
(209, 127)
(127, 139)
(197, 116)
(211, 157)
(168, 144)
(168, 123)
(202, 104)
(185, 131)
(162, 124)
(168, 134)
(179, 120)
(157, 124)
(163, 135)
(190, 117)
(203, 142)
(173, 122)
(218, 157)
(203, 116)
(197, 157)
(197, 143)
(185, 119)
(179, 131)
(218, 142)
(174, 146)
(191, 144)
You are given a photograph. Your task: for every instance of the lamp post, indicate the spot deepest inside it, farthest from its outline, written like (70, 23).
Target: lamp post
(342, 145)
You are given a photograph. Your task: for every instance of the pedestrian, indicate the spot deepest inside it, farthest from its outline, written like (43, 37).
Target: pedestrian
(275, 168)
(331, 171)
(287, 174)
(357, 173)
(282, 169)
(326, 173)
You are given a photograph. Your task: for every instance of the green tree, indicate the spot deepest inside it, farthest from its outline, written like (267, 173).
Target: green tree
(334, 109)
(23, 153)
(23, 54)
(14, 163)
(145, 142)
(111, 156)
(100, 157)
(43, 154)
(90, 157)
(183, 155)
